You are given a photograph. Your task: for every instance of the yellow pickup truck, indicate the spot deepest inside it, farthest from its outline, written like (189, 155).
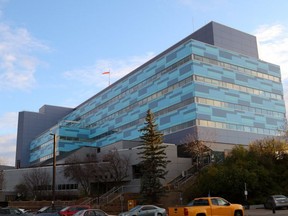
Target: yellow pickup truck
(207, 206)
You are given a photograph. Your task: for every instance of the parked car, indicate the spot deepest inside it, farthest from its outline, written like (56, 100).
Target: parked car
(91, 212)
(11, 211)
(277, 201)
(211, 206)
(49, 211)
(71, 210)
(145, 210)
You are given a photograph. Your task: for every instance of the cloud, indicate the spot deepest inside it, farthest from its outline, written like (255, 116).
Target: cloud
(8, 122)
(17, 62)
(8, 130)
(273, 47)
(8, 149)
(92, 75)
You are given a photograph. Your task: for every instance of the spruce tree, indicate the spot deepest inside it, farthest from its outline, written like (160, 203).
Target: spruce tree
(154, 160)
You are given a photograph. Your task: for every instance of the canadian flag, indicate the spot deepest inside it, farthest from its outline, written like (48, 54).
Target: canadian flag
(106, 72)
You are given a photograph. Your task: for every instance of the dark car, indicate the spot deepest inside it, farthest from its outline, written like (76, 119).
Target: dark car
(276, 201)
(10, 211)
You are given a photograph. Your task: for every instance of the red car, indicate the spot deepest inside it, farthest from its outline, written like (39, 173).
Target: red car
(70, 210)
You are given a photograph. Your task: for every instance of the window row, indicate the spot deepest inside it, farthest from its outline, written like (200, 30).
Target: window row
(142, 102)
(136, 88)
(238, 68)
(67, 186)
(236, 127)
(238, 87)
(178, 127)
(156, 114)
(60, 187)
(233, 106)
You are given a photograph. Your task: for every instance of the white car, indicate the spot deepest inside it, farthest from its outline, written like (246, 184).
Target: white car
(145, 210)
(91, 212)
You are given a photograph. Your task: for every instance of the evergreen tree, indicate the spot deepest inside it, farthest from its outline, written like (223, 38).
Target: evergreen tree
(154, 160)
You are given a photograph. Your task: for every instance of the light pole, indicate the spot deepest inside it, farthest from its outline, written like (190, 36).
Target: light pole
(54, 170)
(54, 161)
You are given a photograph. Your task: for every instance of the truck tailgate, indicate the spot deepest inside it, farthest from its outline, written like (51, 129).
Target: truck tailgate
(176, 211)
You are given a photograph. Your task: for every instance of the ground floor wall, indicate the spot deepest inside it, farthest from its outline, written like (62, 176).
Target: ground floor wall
(66, 186)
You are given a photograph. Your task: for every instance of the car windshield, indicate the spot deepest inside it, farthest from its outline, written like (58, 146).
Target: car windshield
(64, 209)
(43, 209)
(79, 213)
(280, 197)
(135, 208)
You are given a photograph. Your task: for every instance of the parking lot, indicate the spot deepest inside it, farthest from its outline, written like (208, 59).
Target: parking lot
(262, 211)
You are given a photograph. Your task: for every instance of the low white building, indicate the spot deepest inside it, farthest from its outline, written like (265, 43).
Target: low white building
(127, 149)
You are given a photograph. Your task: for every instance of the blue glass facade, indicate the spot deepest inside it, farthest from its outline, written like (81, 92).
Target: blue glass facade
(192, 84)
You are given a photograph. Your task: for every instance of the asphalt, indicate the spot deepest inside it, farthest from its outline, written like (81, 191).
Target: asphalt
(259, 210)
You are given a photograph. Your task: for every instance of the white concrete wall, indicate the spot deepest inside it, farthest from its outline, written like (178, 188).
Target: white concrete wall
(175, 167)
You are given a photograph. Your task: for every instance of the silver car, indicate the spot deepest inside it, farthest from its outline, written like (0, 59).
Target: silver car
(276, 201)
(145, 210)
(91, 212)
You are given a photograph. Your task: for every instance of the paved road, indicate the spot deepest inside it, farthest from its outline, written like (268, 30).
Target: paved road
(264, 212)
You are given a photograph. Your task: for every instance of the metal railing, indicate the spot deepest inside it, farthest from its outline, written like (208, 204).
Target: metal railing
(111, 195)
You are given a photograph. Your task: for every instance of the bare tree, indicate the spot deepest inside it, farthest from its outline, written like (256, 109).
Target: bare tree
(22, 191)
(117, 166)
(38, 182)
(81, 171)
(1, 179)
(283, 130)
(196, 147)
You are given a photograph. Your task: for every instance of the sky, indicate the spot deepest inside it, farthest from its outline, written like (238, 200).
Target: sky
(54, 51)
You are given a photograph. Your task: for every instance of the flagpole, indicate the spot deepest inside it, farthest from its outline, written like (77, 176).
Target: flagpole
(109, 77)
(107, 72)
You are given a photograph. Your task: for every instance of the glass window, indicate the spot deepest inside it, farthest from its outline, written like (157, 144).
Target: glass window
(99, 213)
(211, 124)
(219, 125)
(214, 201)
(89, 213)
(222, 202)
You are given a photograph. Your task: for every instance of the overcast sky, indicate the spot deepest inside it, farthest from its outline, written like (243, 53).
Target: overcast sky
(54, 51)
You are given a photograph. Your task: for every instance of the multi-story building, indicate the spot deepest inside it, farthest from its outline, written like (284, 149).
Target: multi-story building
(211, 83)
(31, 125)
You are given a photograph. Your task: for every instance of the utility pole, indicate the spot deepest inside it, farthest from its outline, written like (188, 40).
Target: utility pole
(54, 170)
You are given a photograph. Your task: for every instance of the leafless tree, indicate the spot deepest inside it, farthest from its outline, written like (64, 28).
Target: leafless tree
(81, 171)
(116, 166)
(196, 147)
(88, 171)
(38, 182)
(22, 191)
(283, 130)
(1, 179)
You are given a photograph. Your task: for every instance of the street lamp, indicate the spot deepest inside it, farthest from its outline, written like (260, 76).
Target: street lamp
(54, 170)
(54, 162)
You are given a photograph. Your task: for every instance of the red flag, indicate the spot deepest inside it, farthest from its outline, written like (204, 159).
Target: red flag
(106, 72)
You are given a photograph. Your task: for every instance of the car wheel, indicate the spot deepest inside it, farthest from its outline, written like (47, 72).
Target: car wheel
(238, 213)
(159, 214)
